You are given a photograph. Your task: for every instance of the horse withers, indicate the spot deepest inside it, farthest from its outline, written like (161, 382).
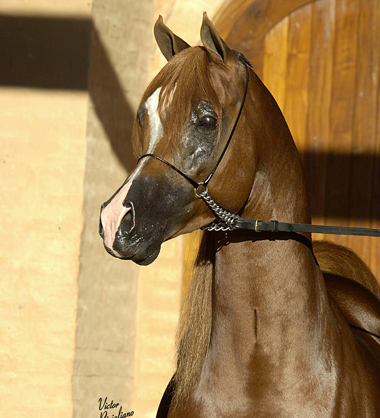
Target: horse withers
(263, 331)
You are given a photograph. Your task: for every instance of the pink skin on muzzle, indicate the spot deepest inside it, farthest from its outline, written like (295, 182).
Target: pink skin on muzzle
(113, 214)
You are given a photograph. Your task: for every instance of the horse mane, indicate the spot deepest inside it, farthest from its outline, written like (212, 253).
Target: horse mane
(194, 327)
(341, 261)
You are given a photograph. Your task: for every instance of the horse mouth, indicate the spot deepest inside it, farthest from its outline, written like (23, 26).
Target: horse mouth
(147, 260)
(143, 254)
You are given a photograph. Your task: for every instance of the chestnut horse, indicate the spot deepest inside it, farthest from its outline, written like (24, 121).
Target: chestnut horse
(263, 332)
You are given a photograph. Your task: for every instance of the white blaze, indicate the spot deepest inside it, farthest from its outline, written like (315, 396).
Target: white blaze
(155, 123)
(114, 212)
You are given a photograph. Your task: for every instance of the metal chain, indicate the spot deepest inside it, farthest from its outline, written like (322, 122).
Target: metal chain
(226, 220)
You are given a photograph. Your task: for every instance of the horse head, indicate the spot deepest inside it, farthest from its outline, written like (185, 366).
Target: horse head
(185, 119)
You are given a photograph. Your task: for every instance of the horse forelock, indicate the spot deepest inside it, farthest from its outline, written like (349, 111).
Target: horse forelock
(183, 82)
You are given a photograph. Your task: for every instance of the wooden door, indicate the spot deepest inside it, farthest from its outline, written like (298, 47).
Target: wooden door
(321, 61)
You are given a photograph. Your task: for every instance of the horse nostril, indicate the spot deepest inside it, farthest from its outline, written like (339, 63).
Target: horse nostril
(127, 224)
(101, 229)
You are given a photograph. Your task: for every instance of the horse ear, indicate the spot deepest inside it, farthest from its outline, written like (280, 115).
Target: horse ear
(168, 43)
(211, 40)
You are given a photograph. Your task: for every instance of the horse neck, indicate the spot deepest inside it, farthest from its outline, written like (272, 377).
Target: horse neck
(269, 290)
(263, 287)
(279, 188)
(257, 295)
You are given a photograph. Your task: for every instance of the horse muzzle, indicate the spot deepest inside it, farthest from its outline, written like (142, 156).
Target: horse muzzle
(122, 239)
(143, 213)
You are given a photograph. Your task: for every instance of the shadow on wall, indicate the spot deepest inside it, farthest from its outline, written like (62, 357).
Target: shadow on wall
(39, 52)
(110, 104)
(345, 186)
(53, 53)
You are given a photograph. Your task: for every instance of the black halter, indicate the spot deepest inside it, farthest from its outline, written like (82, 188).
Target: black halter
(230, 221)
(202, 186)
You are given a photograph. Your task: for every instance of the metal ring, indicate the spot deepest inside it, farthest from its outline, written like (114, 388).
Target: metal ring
(202, 187)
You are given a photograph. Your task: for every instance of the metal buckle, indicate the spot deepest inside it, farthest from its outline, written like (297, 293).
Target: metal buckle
(257, 225)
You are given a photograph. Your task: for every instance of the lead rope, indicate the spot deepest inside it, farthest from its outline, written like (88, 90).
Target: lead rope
(228, 221)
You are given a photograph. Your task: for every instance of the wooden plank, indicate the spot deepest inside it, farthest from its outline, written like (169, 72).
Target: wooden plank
(275, 61)
(364, 129)
(341, 114)
(375, 204)
(244, 24)
(297, 76)
(226, 16)
(319, 91)
(252, 20)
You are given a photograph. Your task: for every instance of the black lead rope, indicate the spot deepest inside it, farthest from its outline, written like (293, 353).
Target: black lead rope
(229, 221)
(275, 226)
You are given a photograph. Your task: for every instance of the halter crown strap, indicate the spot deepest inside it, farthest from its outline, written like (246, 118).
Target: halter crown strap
(246, 63)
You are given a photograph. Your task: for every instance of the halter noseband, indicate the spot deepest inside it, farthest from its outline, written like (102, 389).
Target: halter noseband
(229, 221)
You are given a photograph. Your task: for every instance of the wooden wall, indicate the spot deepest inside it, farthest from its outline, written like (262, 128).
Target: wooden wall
(321, 61)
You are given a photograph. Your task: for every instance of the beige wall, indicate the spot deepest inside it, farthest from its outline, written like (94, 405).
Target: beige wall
(107, 298)
(42, 154)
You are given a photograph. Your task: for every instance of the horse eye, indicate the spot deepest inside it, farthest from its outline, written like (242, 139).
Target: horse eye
(207, 122)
